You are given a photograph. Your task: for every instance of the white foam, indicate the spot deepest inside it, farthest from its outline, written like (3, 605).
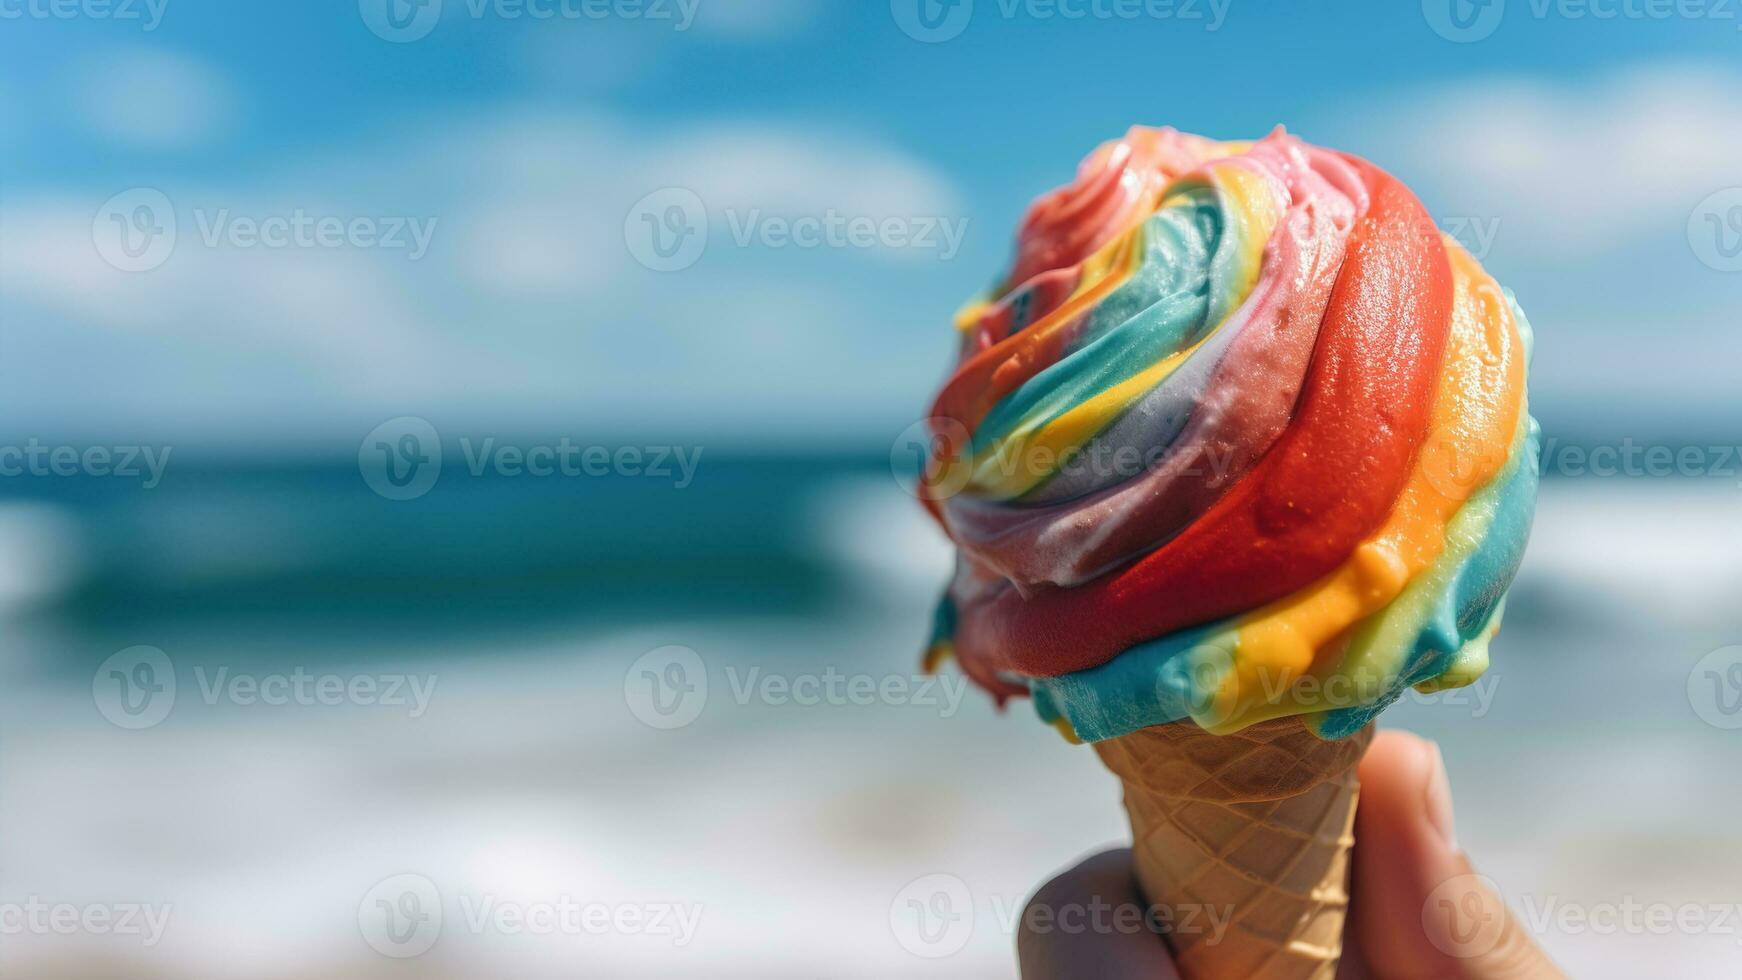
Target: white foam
(41, 553)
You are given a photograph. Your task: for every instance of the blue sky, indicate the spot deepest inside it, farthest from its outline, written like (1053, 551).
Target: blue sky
(1571, 144)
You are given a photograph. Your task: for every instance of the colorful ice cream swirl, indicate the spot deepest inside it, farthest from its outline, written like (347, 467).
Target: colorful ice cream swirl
(1240, 435)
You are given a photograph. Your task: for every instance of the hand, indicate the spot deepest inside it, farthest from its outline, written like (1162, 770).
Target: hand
(1406, 858)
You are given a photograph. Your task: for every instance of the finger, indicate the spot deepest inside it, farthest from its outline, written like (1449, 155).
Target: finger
(1420, 910)
(1089, 922)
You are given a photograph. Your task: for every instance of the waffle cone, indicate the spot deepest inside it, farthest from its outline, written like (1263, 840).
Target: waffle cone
(1251, 830)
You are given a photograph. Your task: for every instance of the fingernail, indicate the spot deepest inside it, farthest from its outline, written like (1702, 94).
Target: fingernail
(1439, 800)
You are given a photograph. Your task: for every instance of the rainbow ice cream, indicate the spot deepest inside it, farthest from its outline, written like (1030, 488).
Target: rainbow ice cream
(1240, 435)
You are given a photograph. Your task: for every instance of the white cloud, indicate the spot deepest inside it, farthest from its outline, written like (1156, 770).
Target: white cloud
(151, 98)
(11, 120)
(1572, 168)
(756, 19)
(528, 244)
(613, 55)
(799, 172)
(328, 310)
(1587, 187)
(546, 195)
(592, 61)
(528, 306)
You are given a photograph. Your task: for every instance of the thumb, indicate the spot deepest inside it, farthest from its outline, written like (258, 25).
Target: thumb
(1420, 910)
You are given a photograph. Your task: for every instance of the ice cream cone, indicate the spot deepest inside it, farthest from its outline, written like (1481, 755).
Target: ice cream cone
(1242, 843)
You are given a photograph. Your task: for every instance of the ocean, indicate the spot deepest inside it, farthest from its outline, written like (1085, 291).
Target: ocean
(454, 688)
